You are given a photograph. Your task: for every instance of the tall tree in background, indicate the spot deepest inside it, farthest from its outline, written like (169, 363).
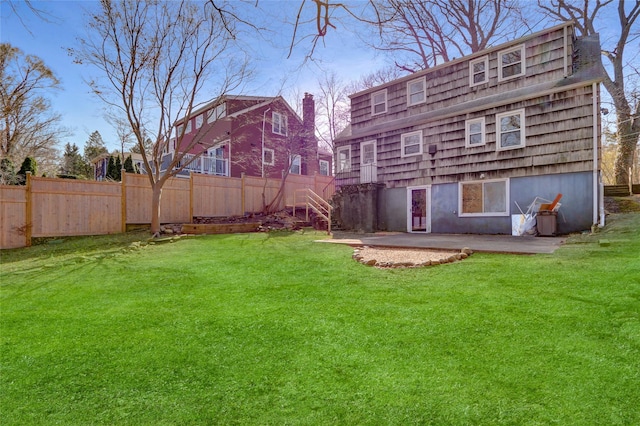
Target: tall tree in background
(157, 60)
(73, 164)
(621, 73)
(27, 123)
(334, 105)
(94, 146)
(423, 33)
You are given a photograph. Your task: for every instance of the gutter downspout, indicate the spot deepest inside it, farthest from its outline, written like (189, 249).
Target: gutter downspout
(598, 190)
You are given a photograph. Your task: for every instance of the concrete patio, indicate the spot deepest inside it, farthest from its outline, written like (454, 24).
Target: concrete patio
(477, 243)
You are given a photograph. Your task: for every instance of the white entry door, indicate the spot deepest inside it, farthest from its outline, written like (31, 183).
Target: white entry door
(368, 167)
(419, 209)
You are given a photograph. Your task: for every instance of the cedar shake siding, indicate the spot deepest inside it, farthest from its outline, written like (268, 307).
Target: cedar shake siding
(524, 110)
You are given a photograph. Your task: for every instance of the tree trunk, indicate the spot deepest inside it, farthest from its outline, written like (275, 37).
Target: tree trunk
(155, 208)
(627, 141)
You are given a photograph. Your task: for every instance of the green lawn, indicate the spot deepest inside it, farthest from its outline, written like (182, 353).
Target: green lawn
(278, 329)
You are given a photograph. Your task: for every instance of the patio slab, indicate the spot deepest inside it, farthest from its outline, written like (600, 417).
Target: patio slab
(477, 243)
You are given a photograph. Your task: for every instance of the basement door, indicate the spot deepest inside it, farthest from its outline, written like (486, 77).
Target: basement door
(419, 209)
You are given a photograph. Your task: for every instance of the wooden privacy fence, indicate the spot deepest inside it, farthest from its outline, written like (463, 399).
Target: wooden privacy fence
(47, 207)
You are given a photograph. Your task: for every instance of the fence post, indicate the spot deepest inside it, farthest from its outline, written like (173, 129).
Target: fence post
(242, 195)
(123, 201)
(28, 212)
(190, 197)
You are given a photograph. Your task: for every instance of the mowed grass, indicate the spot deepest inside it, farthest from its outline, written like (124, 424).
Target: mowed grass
(276, 329)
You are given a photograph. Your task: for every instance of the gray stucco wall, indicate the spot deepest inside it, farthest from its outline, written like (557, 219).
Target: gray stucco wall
(392, 209)
(575, 214)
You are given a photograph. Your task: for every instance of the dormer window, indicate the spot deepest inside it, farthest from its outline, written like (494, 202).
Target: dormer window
(279, 123)
(379, 102)
(511, 63)
(478, 71)
(416, 91)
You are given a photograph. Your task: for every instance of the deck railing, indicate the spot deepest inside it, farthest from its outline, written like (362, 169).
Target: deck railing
(206, 165)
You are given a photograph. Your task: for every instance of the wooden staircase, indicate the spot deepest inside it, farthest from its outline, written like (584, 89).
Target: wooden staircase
(309, 200)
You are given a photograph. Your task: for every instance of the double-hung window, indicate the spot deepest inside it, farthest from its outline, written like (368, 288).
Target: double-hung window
(416, 91)
(478, 71)
(484, 198)
(474, 132)
(511, 63)
(296, 165)
(510, 130)
(411, 143)
(279, 123)
(379, 102)
(324, 168)
(343, 159)
(268, 156)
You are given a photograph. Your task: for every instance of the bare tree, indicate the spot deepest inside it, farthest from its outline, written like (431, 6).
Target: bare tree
(158, 59)
(619, 72)
(333, 108)
(29, 126)
(423, 33)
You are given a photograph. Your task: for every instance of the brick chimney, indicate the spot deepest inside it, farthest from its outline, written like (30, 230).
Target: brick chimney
(308, 114)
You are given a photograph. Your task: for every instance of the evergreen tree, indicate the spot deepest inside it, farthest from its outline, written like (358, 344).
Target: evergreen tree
(28, 165)
(73, 164)
(94, 147)
(118, 169)
(128, 165)
(8, 174)
(111, 169)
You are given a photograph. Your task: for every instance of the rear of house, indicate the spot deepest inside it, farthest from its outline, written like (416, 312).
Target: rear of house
(461, 147)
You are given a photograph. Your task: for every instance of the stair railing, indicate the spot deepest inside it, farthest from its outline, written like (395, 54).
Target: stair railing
(310, 200)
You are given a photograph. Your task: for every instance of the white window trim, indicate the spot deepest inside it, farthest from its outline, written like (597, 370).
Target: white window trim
(188, 129)
(273, 157)
(523, 62)
(485, 60)
(467, 132)
(339, 165)
(373, 105)
(490, 214)
(320, 163)
(282, 123)
(199, 120)
(423, 81)
(523, 136)
(402, 143)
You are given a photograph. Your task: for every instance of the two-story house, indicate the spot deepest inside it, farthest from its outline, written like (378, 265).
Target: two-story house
(463, 146)
(255, 135)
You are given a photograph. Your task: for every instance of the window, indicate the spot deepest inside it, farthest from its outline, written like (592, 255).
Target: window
(379, 102)
(510, 130)
(511, 63)
(416, 91)
(217, 113)
(344, 159)
(199, 120)
(324, 167)
(411, 143)
(296, 162)
(279, 123)
(188, 127)
(268, 156)
(478, 71)
(484, 198)
(474, 132)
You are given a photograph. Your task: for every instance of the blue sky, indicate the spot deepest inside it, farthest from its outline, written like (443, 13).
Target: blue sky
(83, 113)
(340, 51)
